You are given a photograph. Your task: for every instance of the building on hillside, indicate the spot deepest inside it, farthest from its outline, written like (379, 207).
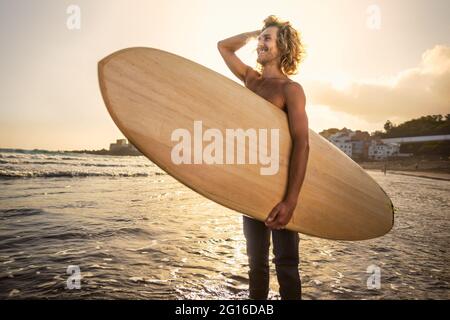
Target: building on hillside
(379, 150)
(359, 145)
(123, 147)
(343, 142)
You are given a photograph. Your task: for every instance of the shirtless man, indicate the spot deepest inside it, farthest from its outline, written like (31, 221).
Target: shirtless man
(279, 53)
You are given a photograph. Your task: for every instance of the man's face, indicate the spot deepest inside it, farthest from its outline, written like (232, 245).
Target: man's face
(267, 46)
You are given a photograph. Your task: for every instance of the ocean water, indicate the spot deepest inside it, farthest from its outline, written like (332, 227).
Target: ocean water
(134, 232)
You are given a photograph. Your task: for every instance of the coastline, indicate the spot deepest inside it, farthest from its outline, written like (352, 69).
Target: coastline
(412, 165)
(104, 152)
(424, 168)
(420, 174)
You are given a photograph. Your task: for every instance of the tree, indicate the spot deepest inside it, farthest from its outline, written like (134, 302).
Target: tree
(388, 126)
(423, 126)
(377, 134)
(329, 132)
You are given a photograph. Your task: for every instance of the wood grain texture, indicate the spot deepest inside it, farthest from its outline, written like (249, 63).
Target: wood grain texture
(149, 93)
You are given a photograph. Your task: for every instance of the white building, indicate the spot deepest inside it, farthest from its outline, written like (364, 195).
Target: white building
(381, 151)
(122, 145)
(343, 142)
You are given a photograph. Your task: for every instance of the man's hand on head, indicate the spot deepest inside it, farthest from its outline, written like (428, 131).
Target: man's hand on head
(280, 215)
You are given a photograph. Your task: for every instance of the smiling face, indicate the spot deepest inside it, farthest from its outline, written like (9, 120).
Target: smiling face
(267, 46)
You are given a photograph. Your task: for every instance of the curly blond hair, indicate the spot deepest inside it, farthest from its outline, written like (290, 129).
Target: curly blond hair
(289, 44)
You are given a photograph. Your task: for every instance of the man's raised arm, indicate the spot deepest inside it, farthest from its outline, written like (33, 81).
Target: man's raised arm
(229, 46)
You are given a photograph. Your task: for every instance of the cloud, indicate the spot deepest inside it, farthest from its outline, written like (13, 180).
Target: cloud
(415, 92)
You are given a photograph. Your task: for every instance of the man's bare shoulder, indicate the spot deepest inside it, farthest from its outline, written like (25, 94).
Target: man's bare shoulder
(294, 94)
(251, 75)
(293, 87)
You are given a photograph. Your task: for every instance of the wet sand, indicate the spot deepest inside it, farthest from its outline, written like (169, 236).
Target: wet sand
(409, 165)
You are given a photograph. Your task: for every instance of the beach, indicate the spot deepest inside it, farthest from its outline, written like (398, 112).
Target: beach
(410, 165)
(134, 232)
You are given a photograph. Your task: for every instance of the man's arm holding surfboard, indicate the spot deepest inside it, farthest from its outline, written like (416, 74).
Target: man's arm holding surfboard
(229, 46)
(281, 214)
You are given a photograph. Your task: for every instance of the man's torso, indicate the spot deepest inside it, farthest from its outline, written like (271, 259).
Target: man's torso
(270, 89)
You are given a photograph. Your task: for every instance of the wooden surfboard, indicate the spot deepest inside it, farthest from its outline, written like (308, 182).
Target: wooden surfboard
(150, 94)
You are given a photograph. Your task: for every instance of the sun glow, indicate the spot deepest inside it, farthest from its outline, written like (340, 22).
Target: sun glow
(341, 82)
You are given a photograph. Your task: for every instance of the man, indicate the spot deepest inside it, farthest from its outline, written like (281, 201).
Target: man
(279, 54)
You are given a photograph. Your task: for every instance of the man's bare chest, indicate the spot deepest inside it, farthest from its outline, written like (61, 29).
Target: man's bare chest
(270, 91)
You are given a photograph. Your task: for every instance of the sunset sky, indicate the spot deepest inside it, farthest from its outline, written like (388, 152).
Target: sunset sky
(367, 61)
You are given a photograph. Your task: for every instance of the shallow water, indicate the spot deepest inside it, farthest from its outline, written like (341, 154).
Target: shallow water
(135, 232)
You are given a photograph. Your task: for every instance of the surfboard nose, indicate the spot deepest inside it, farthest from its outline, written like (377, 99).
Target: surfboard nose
(101, 64)
(101, 67)
(104, 61)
